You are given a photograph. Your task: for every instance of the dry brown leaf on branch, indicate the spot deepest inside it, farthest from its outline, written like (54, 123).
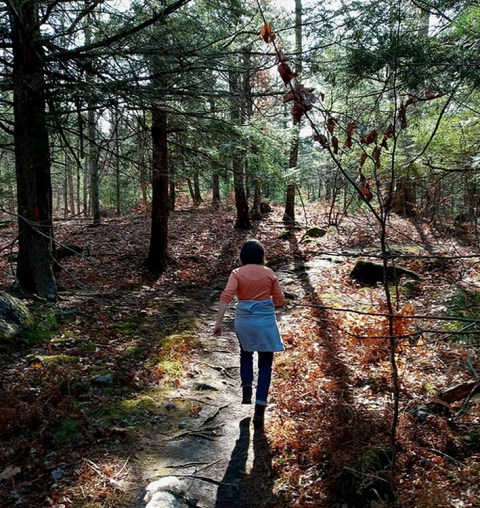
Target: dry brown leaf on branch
(286, 73)
(281, 56)
(289, 96)
(377, 151)
(322, 139)
(364, 188)
(370, 138)
(297, 112)
(266, 33)
(335, 144)
(331, 122)
(351, 127)
(363, 158)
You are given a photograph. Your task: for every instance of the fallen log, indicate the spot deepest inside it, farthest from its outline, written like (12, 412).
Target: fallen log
(460, 391)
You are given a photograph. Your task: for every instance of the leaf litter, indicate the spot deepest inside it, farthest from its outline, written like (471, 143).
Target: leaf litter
(65, 442)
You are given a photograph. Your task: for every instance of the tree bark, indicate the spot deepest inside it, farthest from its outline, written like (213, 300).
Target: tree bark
(172, 193)
(93, 168)
(215, 191)
(242, 220)
(157, 256)
(289, 214)
(32, 154)
(196, 189)
(144, 166)
(257, 199)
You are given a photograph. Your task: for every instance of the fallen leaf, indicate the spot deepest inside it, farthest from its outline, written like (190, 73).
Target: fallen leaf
(9, 472)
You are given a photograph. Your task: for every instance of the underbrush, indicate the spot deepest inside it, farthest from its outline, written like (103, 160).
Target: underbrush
(85, 383)
(465, 304)
(331, 435)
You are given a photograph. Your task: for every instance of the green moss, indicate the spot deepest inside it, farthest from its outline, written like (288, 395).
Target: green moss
(465, 304)
(130, 324)
(52, 360)
(129, 411)
(44, 327)
(285, 235)
(67, 432)
(133, 350)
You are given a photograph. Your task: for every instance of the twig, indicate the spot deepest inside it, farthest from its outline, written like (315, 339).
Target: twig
(215, 413)
(438, 452)
(470, 365)
(222, 370)
(204, 479)
(188, 464)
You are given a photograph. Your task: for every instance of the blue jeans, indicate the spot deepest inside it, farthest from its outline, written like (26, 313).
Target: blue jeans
(265, 361)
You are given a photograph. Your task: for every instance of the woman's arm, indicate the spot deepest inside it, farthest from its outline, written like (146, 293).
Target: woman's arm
(277, 294)
(222, 307)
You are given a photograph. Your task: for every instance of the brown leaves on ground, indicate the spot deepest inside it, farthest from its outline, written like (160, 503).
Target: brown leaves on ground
(329, 423)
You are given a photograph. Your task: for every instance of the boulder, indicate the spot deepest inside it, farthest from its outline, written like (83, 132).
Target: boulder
(315, 232)
(265, 206)
(369, 273)
(14, 316)
(68, 249)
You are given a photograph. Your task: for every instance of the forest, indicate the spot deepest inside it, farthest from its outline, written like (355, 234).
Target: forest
(141, 143)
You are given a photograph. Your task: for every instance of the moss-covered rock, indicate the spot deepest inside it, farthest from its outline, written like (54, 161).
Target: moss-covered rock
(368, 273)
(14, 316)
(315, 232)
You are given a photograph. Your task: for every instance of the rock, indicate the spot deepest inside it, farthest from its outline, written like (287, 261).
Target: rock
(163, 500)
(170, 405)
(164, 493)
(265, 206)
(68, 249)
(57, 474)
(167, 483)
(369, 273)
(14, 316)
(411, 288)
(315, 232)
(103, 379)
(8, 330)
(204, 387)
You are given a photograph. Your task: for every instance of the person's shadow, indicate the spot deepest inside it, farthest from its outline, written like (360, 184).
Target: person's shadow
(254, 490)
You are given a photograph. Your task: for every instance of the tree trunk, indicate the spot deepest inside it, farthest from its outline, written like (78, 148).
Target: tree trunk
(32, 154)
(70, 187)
(118, 185)
(216, 191)
(289, 214)
(142, 145)
(238, 168)
(92, 147)
(257, 198)
(196, 189)
(172, 191)
(157, 256)
(93, 168)
(65, 188)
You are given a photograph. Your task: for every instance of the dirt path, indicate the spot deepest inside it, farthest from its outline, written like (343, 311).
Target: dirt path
(210, 455)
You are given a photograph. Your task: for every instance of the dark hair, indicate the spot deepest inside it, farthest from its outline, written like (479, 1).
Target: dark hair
(252, 253)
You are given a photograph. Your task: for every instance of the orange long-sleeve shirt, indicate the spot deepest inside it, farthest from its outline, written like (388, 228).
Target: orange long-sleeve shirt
(253, 282)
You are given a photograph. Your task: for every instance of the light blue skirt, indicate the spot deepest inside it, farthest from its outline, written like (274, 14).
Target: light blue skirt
(256, 326)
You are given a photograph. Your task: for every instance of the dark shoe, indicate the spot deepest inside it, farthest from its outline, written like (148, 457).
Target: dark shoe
(259, 415)
(247, 395)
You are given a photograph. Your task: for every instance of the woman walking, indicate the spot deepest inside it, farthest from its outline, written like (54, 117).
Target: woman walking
(258, 292)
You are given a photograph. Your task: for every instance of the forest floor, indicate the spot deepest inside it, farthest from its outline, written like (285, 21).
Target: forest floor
(122, 383)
